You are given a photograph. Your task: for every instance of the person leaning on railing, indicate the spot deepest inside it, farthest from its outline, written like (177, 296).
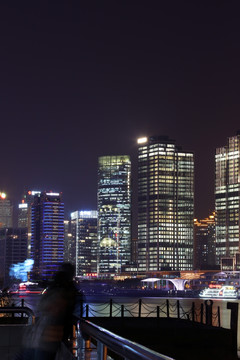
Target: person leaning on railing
(55, 321)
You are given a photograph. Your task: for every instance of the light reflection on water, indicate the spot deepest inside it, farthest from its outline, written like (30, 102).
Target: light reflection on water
(100, 307)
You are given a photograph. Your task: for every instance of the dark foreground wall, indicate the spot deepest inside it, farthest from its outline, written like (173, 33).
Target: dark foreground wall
(177, 338)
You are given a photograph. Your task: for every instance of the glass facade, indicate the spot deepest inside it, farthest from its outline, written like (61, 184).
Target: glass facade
(165, 205)
(114, 213)
(84, 235)
(227, 198)
(47, 235)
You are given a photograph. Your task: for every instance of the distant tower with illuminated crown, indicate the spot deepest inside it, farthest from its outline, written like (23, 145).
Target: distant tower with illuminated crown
(6, 211)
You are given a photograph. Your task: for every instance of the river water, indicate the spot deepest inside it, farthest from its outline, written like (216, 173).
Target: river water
(99, 306)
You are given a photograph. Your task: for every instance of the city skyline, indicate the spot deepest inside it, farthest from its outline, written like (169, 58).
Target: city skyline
(86, 80)
(17, 200)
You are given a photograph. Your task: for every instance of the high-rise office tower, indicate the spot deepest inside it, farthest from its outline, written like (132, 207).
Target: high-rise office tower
(205, 243)
(25, 213)
(84, 235)
(13, 250)
(68, 243)
(165, 205)
(6, 211)
(227, 198)
(47, 234)
(114, 213)
(24, 209)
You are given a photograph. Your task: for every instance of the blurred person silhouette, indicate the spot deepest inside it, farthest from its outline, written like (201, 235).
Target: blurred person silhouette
(55, 321)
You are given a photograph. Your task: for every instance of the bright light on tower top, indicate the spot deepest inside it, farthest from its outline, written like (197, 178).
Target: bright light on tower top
(3, 195)
(142, 140)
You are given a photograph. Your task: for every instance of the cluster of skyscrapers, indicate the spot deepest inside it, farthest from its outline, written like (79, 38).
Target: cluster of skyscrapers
(99, 241)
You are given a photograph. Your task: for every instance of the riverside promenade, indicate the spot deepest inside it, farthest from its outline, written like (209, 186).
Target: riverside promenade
(109, 330)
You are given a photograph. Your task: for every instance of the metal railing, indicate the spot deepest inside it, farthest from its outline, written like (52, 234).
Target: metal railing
(107, 340)
(19, 310)
(203, 313)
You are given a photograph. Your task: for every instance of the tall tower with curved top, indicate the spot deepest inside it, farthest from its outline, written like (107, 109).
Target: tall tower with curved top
(114, 213)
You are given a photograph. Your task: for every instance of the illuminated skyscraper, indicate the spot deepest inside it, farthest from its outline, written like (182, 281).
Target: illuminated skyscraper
(165, 205)
(114, 213)
(227, 198)
(84, 235)
(68, 243)
(24, 209)
(25, 213)
(6, 211)
(47, 235)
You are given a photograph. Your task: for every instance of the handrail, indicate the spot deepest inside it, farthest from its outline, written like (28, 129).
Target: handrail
(126, 348)
(21, 310)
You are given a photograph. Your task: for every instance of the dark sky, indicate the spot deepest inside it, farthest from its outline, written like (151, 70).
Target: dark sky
(81, 79)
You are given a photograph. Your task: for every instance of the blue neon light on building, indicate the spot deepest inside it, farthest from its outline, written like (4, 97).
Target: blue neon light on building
(47, 239)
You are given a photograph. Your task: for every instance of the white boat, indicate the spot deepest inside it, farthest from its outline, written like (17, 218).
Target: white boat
(25, 288)
(219, 292)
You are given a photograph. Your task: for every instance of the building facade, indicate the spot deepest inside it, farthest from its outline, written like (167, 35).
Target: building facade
(205, 243)
(69, 252)
(165, 205)
(25, 213)
(84, 236)
(13, 250)
(6, 211)
(114, 213)
(47, 234)
(227, 198)
(24, 209)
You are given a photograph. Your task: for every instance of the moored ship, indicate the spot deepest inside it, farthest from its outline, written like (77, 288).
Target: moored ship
(25, 288)
(218, 291)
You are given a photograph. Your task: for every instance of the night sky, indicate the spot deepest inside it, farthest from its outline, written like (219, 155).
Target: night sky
(83, 79)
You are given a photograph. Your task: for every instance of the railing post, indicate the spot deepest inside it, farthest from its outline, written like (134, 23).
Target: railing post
(139, 307)
(219, 319)
(208, 307)
(158, 311)
(111, 303)
(101, 351)
(167, 302)
(178, 309)
(88, 344)
(122, 311)
(193, 312)
(87, 309)
(81, 308)
(233, 322)
(201, 314)
(22, 301)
